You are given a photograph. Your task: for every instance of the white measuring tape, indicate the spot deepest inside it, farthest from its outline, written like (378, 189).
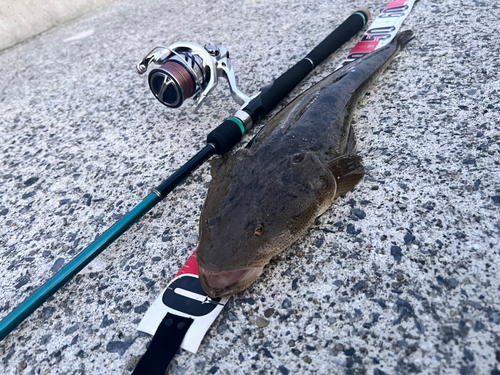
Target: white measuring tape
(382, 30)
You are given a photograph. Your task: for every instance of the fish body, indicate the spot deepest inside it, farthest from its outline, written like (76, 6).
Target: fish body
(265, 197)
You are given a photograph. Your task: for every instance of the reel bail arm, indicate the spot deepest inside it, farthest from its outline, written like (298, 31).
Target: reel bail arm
(188, 70)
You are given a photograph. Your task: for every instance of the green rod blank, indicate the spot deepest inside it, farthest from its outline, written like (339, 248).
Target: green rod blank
(27, 307)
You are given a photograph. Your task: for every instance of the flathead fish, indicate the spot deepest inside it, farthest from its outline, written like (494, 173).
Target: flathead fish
(265, 196)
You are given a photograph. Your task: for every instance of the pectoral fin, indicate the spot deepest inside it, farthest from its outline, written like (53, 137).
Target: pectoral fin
(348, 171)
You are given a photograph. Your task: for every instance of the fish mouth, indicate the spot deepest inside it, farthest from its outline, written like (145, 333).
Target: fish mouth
(222, 284)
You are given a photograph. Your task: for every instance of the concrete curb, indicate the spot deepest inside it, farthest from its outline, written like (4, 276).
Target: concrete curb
(23, 19)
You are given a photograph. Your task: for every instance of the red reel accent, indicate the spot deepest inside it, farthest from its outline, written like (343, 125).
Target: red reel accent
(182, 76)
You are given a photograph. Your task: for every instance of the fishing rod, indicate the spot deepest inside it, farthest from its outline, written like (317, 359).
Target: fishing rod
(180, 72)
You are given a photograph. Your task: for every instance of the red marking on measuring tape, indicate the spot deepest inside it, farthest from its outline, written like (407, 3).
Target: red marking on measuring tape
(190, 267)
(382, 30)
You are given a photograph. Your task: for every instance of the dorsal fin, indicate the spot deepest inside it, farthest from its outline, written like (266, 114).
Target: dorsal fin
(216, 163)
(226, 162)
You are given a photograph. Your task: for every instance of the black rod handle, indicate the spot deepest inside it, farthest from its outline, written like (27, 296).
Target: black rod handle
(225, 136)
(274, 93)
(339, 36)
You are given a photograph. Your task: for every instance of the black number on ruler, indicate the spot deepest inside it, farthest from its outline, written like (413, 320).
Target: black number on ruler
(378, 33)
(353, 56)
(187, 296)
(398, 11)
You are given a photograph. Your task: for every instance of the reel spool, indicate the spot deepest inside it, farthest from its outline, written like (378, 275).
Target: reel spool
(188, 70)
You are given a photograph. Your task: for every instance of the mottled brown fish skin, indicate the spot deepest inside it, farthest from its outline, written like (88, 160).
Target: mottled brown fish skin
(266, 196)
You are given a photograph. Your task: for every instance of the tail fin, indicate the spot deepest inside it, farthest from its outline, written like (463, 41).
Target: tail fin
(404, 37)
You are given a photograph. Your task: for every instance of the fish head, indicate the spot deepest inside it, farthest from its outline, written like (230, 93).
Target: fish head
(253, 210)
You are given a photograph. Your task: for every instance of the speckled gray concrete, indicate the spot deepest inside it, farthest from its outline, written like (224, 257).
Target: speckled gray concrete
(399, 276)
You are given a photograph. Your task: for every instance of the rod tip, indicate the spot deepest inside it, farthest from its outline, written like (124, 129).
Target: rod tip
(367, 12)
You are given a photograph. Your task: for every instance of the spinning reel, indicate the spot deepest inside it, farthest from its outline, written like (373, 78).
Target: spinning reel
(188, 70)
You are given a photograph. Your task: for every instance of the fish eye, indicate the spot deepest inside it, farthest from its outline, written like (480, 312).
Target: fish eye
(259, 230)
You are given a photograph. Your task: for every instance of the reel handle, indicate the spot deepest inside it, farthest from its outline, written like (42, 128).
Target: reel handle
(272, 94)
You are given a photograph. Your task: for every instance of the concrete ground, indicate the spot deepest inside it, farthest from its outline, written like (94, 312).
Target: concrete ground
(22, 19)
(400, 276)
